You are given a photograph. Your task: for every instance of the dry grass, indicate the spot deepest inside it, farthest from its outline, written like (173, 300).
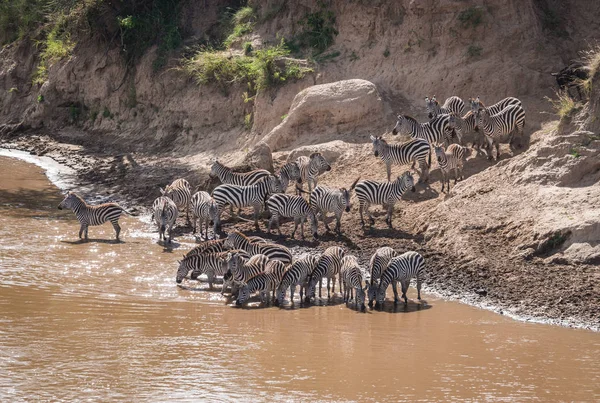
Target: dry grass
(591, 61)
(564, 105)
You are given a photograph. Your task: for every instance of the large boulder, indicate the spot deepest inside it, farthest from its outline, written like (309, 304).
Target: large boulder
(259, 157)
(346, 110)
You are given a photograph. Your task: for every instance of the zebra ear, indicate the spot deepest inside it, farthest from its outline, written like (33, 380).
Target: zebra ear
(354, 184)
(162, 191)
(372, 138)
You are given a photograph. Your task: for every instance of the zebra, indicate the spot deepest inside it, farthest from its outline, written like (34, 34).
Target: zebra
(211, 264)
(328, 265)
(463, 125)
(246, 196)
(180, 192)
(228, 177)
(264, 283)
(237, 240)
(415, 150)
(290, 172)
(451, 159)
(433, 131)
(353, 278)
(386, 194)
(241, 268)
(402, 269)
(497, 107)
(310, 168)
(323, 199)
(165, 215)
(285, 205)
(297, 275)
(377, 265)
(452, 105)
(204, 209)
(500, 125)
(213, 246)
(92, 215)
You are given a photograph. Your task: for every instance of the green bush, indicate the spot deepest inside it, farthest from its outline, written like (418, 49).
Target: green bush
(318, 29)
(474, 50)
(471, 17)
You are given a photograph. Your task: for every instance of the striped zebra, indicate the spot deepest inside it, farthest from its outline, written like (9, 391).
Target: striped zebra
(328, 265)
(228, 177)
(385, 194)
(452, 105)
(165, 215)
(415, 150)
(204, 210)
(499, 126)
(263, 283)
(377, 265)
(452, 159)
(241, 268)
(310, 168)
(278, 269)
(466, 124)
(180, 192)
(290, 172)
(298, 274)
(92, 215)
(497, 107)
(434, 131)
(402, 269)
(213, 246)
(211, 264)
(284, 205)
(237, 240)
(323, 200)
(246, 196)
(353, 278)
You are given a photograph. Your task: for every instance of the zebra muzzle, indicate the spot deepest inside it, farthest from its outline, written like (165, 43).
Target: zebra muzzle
(430, 115)
(376, 153)
(413, 189)
(394, 131)
(59, 207)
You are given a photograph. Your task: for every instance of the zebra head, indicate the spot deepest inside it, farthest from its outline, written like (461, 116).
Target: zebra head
(440, 153)
(234, 262)
(360, 298)
(433, 107)
(320, 161)
(402, 125)
(243, 295)
(182, 271)
(475, 104)
(378, 143)
(347, 193)
(407, 181)
(70, 201)
(232, 239)
(292, 170)
(215, 169)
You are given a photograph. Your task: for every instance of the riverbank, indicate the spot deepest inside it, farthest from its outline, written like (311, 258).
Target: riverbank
(531, 290)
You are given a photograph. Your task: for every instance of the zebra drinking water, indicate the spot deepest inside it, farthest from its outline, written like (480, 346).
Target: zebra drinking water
(204, 209)
(165, 215)
(211, 264)
(329, 265)
(378, 263)
(284, 205)
(415, 150)
(92, 215)
(452, 105)
(353, 278)
(386, 194)
(180, 192)
(402, 269)
(310, 168)
(323, 199)
(237, 240)
(241, 268)
(263, 283)
(298, 274)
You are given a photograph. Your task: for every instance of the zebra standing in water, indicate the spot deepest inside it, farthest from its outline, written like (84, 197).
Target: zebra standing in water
(386, 194)
(92, 215)
(353, 277)
(246, 196)
(415, 150)
(204, 209)
(180, 192)
(377, 265)
(329, 265)
(402, 269)
(290, 172)
(284, 205)
(324, 199)
(297, 275)
(211, 264)
(165, 214)
(500, 125)
(310, 168)
(240, 269)
(449, 160)
(434, 131)
(237, 240)
(263, 283)
(452, 105)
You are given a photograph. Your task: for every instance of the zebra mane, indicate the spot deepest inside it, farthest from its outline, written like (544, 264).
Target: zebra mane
(78, 197)
(221, 164)
(238, 233)
(410, 118)
(315, 155)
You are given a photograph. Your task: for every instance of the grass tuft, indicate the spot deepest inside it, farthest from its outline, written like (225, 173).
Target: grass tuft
(564, 105)
(591, 62)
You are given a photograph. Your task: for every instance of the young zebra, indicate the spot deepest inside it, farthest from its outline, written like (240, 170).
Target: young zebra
(165, 215)
(353, 278)
(263, 283)
(385, 194)
(452, 105)
(180, 192)
(324, 199)
(211, 264)
(500, 125)
(92, 215)
(204, 209)
(284, 205)
(497, 107)
(246, 196)
(329, 265)
(241, 268)
(278, 269)
(378, 263)
(449, 160)
(237, 240)
(433, 131)
(310, 168)
(297, 275)
(402, 269)
(290, 172)
(415, 150)
(228, 177)
(466, 124)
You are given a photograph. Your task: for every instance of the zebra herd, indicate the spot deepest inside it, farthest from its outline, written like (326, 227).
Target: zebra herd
(250, 264)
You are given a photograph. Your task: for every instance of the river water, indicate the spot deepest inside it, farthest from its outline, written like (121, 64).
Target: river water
(106, 322)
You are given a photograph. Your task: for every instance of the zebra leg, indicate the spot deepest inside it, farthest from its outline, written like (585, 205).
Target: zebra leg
(395, 288)
(324, 219)
(302, 227)
(257, 209)
(418, 288)
(85, 231)
(117, 228)
(81, 229)
(328, 289)
(497, 150)
(455, 175)
(338, 223)
(292, 291)
(211, 278)
(295, 228)
(389, 215)
(320, 287)
(404, 290)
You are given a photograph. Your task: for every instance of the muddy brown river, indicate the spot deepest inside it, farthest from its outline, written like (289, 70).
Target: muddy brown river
(106, 322)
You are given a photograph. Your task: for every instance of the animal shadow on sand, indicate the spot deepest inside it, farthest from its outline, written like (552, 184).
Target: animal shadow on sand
(93, 240)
